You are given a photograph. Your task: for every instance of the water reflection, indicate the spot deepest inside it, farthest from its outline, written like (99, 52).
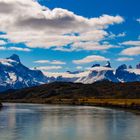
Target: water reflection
(52, 122)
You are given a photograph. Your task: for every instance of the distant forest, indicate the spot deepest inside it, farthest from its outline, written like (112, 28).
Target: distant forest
(63, 90)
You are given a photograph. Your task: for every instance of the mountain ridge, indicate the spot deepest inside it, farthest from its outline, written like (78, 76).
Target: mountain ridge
(14, 75)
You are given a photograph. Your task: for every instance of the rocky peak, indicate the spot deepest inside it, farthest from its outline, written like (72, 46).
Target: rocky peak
(108, 65)
(138, 66)
(130, 67)
(122, 67)
(14, 57)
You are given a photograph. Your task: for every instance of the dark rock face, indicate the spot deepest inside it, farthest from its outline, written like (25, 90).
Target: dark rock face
(125, 76)
(14, 75)
(14, 57)
(138, 66)
(130, 67)
(108, 65)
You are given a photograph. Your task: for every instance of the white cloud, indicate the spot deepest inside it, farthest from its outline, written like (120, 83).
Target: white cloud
(55, 62)
(89, 59)
(2, 42)
(91, 46)
(2, 48)
(131, 43)
(121, 59)
(100, 68)
(15, 49)
(79, 67)
(131, 51)
(42, 61)
(138, 20)
(38, 26)
(112, 36)
(19, 49)
(121, 34)
(135, 50)
(46, 68)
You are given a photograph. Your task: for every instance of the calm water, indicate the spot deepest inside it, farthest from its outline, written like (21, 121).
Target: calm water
(53, 122)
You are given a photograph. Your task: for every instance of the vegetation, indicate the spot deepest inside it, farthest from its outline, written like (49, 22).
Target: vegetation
(0, 104)
(101, 94)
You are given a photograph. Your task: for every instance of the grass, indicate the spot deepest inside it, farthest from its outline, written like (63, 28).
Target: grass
(105, 94)
(133, 104)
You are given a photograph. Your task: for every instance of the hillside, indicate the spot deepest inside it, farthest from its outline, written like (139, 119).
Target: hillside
(60, 90)
(106, 94)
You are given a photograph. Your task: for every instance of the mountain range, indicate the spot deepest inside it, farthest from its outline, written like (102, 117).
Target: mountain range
(14, 75)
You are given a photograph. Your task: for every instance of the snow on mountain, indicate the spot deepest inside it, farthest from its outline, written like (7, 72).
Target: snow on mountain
(108, 65)
(93, 74)
(66, 74)
(98, 74)
(127, 75)
(136, 71)
(14, 75)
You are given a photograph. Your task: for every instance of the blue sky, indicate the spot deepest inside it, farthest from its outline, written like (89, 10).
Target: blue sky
(120, 36)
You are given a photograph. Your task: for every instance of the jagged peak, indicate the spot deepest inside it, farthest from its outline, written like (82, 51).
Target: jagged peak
(108, 64)
(14, 57)
(130, 67)
(122, 67)
(138, 66)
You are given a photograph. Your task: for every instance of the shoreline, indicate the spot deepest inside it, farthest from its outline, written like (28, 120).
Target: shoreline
(1, 105)
(132, 105)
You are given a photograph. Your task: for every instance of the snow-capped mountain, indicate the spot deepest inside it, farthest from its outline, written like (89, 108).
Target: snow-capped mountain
(99, 73)
(96, 74)
(93, 74)
(125, 74)
(14, 75)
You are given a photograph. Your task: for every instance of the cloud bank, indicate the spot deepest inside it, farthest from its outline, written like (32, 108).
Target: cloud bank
(89, 59)
(131, 51)
(40, 27)
(54, 62)
(122, 59)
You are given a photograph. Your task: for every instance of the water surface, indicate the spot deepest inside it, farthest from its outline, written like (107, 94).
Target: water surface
(55, 122)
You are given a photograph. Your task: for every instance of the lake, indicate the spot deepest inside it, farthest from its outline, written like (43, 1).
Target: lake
(59, 122)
